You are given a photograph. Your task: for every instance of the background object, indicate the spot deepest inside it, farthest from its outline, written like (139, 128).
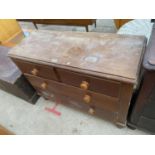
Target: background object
(10, 32)
(137, 27)
(71, 22)
(142, 113)
(120, 22)
(4, 131)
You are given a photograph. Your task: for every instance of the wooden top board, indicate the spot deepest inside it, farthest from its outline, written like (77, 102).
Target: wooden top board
(102, 54)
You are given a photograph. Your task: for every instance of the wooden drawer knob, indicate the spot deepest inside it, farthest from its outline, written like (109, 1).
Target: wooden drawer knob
(87, 98)
(34, 71)
(84, 85)
(91, 111)
(44, 85)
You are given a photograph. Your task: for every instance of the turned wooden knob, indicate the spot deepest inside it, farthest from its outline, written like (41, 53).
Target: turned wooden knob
(84, 85)
(34, 71)
(91, 111)
(87, 98)
(44, 85)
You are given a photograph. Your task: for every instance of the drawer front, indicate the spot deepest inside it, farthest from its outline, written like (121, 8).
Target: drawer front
(85, 97)
(36, 69)
(93, 110)
(107, 87)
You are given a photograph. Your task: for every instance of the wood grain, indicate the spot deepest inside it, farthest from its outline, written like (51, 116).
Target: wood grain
(99, 100)
(89, 52)
(99, 85)
(42, 71)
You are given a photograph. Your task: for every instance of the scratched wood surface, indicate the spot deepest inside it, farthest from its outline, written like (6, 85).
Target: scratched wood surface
(112, 55)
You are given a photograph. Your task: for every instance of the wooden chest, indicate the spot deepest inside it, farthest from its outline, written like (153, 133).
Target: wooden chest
(142, 113)
(98, 71)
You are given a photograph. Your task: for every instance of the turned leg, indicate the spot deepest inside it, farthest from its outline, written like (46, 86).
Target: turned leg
(120, 125)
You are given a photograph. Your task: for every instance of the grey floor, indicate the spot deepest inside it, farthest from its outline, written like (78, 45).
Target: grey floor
(24, 118)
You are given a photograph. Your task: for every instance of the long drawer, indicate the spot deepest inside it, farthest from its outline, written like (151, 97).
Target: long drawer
(83, 96)
(36, 69)
(83, 81)
(107, 87)
(69, 102)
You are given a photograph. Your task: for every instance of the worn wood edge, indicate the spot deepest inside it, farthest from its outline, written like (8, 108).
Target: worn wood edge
(96, 34)
(123, 108)
(141, 61)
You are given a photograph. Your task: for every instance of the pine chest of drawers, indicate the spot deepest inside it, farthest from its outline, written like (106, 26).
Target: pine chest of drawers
(97, 71)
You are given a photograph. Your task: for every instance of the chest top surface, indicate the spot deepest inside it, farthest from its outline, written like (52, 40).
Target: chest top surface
(107, 55)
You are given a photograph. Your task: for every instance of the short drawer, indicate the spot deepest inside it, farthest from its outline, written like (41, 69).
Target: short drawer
(99, 85)
(36, 69)
(86, 97)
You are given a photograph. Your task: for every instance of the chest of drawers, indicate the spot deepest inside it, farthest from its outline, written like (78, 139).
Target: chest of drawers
(97, 71)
